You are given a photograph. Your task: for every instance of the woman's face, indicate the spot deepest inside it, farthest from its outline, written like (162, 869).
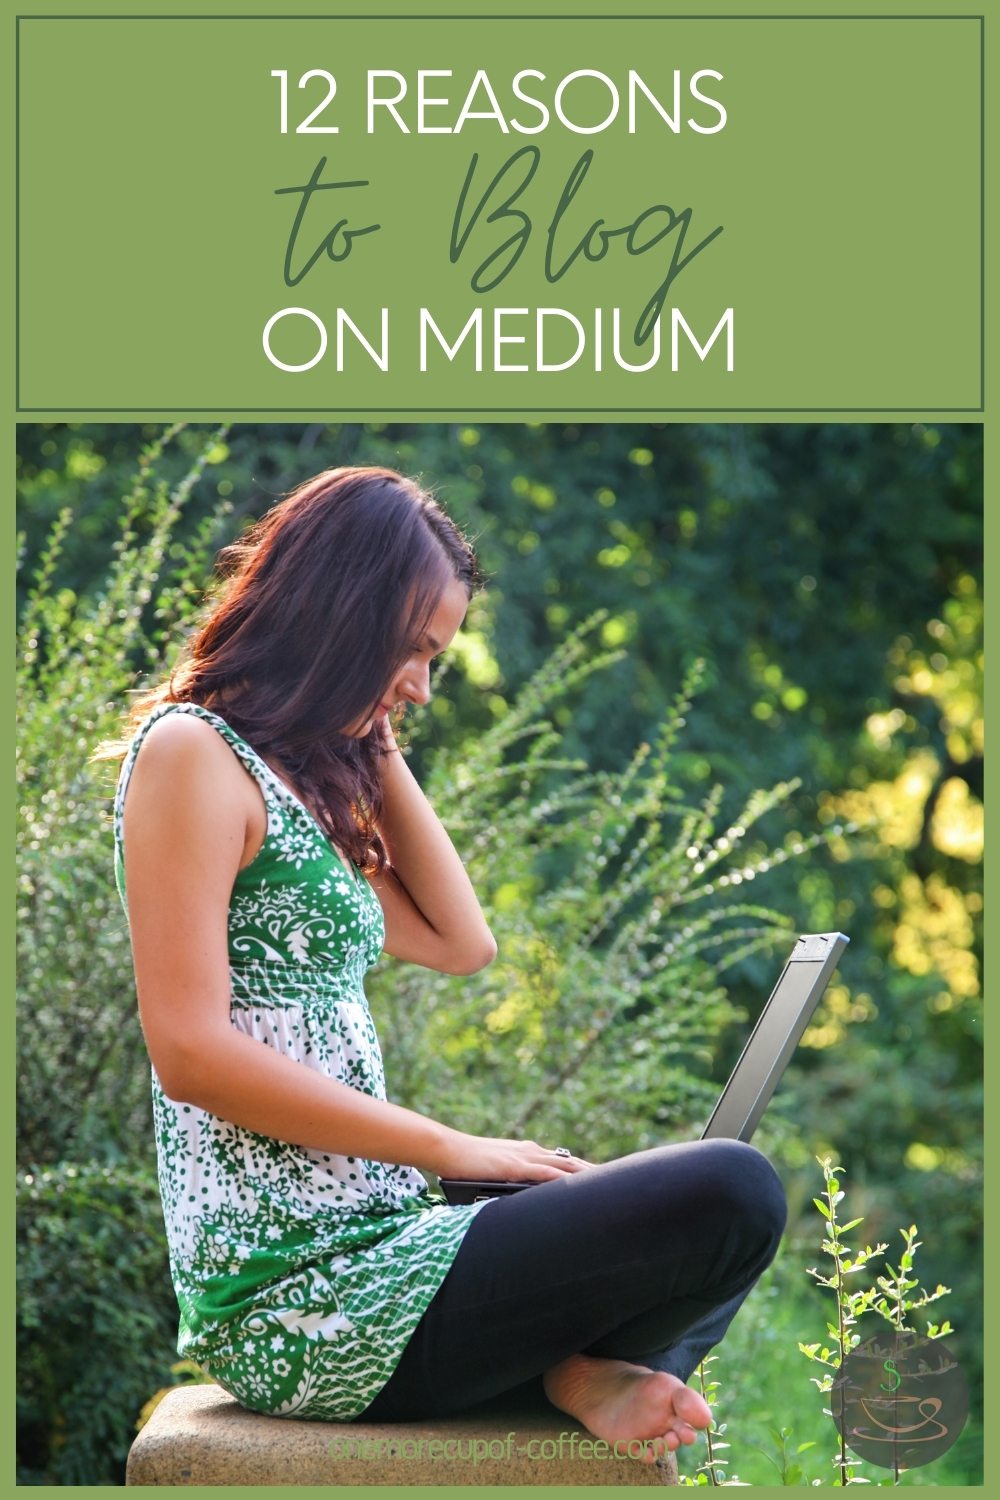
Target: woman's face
(411, 684)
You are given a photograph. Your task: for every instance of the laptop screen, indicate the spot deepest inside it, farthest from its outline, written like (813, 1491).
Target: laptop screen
(776, 1036)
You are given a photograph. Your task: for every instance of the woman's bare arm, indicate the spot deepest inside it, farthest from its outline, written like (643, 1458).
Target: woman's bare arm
(191, 821)
(432, 916)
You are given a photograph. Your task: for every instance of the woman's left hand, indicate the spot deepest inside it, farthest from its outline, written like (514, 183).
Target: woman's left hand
(498, 1159)
(384, 733)
(431, 913)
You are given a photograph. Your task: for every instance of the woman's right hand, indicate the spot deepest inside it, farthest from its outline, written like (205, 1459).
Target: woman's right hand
(478, 1158)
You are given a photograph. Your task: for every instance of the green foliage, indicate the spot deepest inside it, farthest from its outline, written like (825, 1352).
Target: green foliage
(615, 897)
(185, 1372)
(785, 1456)
(896, 1304)
(96, 1321)
(713, 1470)
(888, 1296)
(79, 1045)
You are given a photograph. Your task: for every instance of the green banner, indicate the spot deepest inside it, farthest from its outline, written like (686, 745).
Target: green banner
(500, 215)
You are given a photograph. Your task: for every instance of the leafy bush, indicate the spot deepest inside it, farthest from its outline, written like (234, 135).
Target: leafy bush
(616, 901)
(80, 1052)
(97, 1318)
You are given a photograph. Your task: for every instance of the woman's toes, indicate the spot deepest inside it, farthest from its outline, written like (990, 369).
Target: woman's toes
(691, 1408)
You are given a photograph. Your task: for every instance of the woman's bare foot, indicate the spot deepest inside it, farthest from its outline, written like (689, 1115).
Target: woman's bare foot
(622, 1402)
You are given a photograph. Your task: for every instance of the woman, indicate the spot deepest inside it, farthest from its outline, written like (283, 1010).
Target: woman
(271, 839)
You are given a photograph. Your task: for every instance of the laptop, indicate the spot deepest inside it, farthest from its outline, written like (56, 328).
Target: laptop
(752, 1083)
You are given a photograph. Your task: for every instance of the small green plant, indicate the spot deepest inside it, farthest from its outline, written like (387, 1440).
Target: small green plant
(889, 1297)
(852, 1303)
(896, 1304)
(713, 1470)
(785, 1458)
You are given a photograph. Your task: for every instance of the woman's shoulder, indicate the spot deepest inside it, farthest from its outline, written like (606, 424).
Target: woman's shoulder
(184, 730)
(182, 749)
(186, 795)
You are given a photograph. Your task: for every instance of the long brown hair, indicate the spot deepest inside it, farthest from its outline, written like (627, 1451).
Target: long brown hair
(311, 617)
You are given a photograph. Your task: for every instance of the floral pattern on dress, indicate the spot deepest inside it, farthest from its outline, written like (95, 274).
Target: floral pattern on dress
(300, 1273)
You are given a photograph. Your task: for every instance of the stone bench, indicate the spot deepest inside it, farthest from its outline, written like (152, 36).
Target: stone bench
(198, 1435)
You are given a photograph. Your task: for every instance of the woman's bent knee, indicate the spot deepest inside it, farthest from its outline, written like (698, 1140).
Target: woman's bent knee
(749, 1180)
(743, 1188)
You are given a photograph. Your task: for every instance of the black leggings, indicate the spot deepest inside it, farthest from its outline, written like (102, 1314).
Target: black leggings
(622, 1260)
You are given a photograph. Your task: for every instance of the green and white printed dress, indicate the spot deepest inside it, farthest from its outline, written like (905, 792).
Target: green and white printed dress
(300, 1274)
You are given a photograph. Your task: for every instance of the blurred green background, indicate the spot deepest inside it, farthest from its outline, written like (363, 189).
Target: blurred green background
(828, 577)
